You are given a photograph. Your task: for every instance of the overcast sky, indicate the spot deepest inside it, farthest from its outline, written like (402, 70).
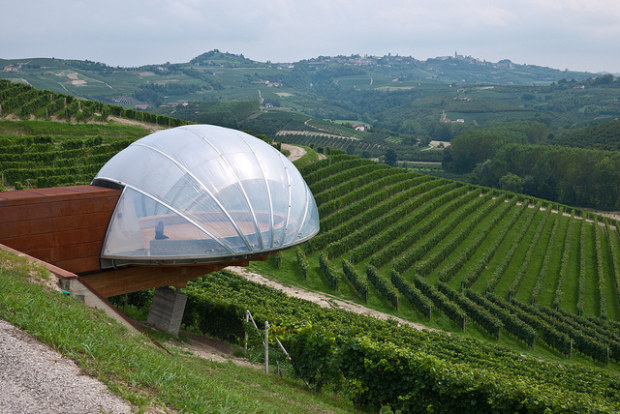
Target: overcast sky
(562, 34)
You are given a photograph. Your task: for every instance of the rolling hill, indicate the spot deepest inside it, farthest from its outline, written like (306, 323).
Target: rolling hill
(507, 274)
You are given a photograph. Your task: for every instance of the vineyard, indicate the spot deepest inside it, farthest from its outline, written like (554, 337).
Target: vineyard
(26, 102)
(36, 153)
(535, 276)
(377, 363)
(520, 269)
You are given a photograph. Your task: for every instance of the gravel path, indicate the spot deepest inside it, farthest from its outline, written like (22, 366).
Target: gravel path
(37, 379)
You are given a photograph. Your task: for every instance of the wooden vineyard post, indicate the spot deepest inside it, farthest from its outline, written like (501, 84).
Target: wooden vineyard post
(245, 334)
(266, 347)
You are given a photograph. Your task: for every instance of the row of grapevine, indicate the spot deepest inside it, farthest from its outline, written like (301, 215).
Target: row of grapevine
(413, 294)
(613, 241)
(328, 271)
(309, 169)
(516, 283)
(383, 285)
(353, 174)
(475, 312)
(316, 141)
(451, 267)
(600, 267)
(332, 191)
(374, 226)
(583, 269)
(302, 262)
(334, 169)
(26, 101)
(395, 186)
(542, 273)
(544, 330)
(585, 344)
(430, 240)
(394, 240)
(328, 346)
(512, 323)
(362, 212)
(358, 283)
(500, 269)
(441, 301)
(336, 204)
(474, 273)
(564, 264)
(604, 327)
(496, 210)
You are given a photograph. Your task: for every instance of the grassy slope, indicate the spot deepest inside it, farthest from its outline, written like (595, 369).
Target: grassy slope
(134, 368)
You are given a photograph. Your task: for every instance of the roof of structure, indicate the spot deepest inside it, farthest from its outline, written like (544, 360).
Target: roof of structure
(202, 193)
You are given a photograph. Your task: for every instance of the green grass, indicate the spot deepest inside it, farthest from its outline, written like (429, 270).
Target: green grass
(310, 157)
(46, 128)
(133, 368)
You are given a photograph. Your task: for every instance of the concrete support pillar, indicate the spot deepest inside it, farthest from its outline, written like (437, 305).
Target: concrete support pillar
(167, 309)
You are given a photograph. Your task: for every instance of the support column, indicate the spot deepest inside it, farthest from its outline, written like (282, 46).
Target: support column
(167, 309)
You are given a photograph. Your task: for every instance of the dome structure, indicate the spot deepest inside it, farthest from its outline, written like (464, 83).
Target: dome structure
(202, 193)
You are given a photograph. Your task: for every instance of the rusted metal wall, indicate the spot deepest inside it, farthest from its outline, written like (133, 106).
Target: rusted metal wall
(64, 226)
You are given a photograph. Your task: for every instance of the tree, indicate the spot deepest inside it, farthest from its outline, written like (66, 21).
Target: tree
(511, 182)
(391, 157)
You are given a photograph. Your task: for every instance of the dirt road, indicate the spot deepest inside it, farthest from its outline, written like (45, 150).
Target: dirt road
(322, 299)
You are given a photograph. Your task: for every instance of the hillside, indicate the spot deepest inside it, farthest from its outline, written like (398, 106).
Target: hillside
(508, 275)
(409, 242)
(395, 93)
(150, 379)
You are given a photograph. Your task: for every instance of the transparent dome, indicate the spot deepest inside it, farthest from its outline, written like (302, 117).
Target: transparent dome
(203, 193)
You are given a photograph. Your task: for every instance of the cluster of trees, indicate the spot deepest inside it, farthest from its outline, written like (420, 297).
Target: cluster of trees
(570, 176)
(517, 157)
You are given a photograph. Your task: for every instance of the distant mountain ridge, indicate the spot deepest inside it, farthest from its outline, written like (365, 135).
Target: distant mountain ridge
(211, 71)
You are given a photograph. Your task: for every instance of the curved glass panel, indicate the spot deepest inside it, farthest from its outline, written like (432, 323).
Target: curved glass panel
(216, 192)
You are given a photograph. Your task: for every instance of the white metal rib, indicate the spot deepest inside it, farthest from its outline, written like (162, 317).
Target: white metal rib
(232, 171)
(203, 187)
(174, 210)
(260, 166)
